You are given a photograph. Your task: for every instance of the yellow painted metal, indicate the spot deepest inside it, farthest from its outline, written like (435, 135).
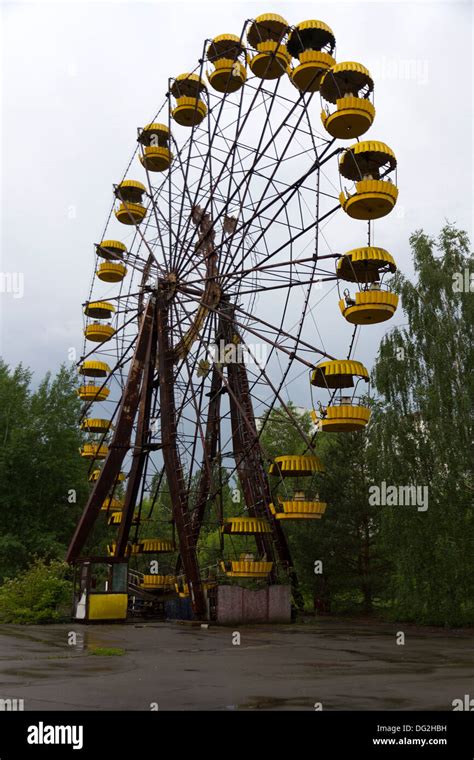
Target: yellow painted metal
(269, 27)
(312, 67)
(364, 264)
(183, 589)
(156, 158)
(228, 75)
(293, 465)
(130, 191)
(115, 518)
(92, 393)
(344, 78)
(344, 418)
(313, 24)
(373, 199)
(95, 476)
(352, 118)
(130, 551)
(156, 546)
(189, 111)
(366, 158)
(93, 425)
(188, 85)
(99, 310)
(210, 299)
(246, 568)
(158, 582)
(130, 213)
(225, 46)
(298, 510)
(111, 504)
(94, 451)
(111, 249)
(311, 35)
(371, 307)
(336, 373)
(245, 525)
(155, 134)
(111, 272)
(99, 333)
(107, 607)
(92, 368)
(271, 61)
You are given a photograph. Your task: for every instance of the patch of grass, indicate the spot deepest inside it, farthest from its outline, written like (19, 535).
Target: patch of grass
(107, 651)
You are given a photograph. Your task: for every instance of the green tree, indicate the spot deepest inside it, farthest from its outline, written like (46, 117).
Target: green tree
(40, 594)
(345, 540)
(422, 433)
(44, 482)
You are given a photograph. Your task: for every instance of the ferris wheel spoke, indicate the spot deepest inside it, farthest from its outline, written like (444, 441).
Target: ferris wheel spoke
(259, 151)
(240, 124)
(198, 406)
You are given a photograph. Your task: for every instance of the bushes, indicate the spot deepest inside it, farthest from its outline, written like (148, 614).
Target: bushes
(40, 594)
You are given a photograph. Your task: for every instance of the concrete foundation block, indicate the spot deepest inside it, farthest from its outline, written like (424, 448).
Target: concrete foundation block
(242, 605)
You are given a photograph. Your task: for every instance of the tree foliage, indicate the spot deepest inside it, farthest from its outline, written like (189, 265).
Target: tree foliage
(422, 430)
(40, 594)
(43, 478)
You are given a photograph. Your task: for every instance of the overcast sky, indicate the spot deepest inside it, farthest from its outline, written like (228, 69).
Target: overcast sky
(77, 79)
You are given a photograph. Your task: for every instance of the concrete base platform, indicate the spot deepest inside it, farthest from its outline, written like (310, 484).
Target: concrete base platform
(271, 604)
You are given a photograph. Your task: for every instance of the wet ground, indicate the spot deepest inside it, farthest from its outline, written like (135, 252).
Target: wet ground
(355, 665)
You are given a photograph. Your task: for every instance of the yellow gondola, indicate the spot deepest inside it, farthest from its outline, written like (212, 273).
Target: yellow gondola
(111, 272)
(365, 264)
(92, 393)
(156, 156)
(245, 526)
(246, 568)
(155, 546)
(368, 163)
(335, 373)
(229, 72)
(92, 368)
(92, 425)
(348, 85)
(298, 509)
(346, 417)
(190, 109)
(374, 302)
(312, 43)
(99, 310)
(293, 465)
(98, 333)
(265, 35)
(370, 306)
(158, 582)
(111, 249)
(94, 450)
(130, 194)
(344, 413)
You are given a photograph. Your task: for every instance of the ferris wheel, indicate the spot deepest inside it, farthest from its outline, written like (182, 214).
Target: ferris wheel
(202, 315)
